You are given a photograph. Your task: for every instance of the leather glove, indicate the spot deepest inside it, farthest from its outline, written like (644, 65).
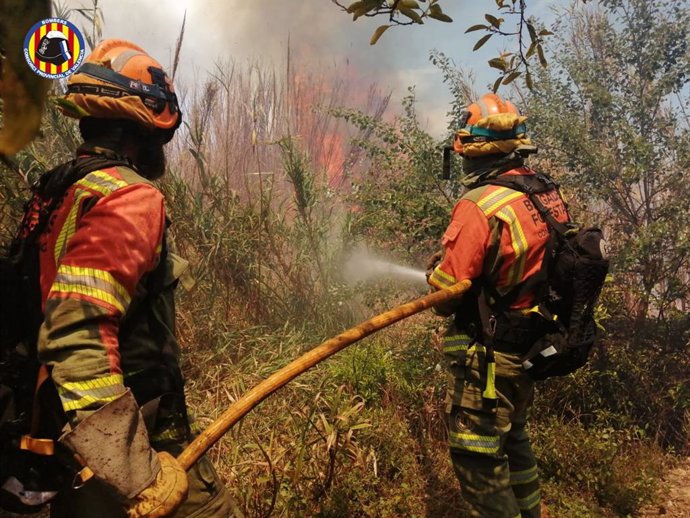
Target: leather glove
(114, 444)
(432, 262)
(165, 495)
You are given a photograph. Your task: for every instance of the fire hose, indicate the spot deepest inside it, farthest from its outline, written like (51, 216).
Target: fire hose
(282, 377)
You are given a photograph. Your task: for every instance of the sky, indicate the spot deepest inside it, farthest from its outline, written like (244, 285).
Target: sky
(240, 30)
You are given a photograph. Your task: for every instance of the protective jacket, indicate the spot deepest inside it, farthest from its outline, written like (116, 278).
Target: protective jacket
(497, 233)
(107, 283)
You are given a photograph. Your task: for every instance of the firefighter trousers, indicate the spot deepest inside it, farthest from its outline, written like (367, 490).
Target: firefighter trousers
(489, 445)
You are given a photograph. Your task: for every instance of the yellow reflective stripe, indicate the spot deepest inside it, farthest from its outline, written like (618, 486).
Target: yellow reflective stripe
(490, 389)
(499, 197)
(96, 383)
(69, 227)
(98, 181)
(519, 244)
(86, 402)
(442, 279)
(76, 395)
(102, 182)
(492, 198)
(93, 278)
(477, 348)
(524, 476)
(108, 179)
(89, 291)
(171, 434)
(94, 186)
(475, 443)
(533, 309)
(454, 343)
(176, 433)
(529, 501)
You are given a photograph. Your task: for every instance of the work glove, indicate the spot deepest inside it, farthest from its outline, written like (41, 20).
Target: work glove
(166, 493)
(445, 309)
(113, 444)
(432, 262)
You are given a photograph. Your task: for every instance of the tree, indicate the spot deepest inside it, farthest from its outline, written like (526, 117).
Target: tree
(611, 111)
(511, 65)
(400, 203)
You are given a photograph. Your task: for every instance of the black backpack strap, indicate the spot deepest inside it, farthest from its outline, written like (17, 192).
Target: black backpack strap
(531, 185)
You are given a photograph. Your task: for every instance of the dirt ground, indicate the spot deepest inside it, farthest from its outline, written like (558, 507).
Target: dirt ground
(674, 501)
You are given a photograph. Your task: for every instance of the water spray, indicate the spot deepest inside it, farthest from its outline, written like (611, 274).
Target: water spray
(362, 266)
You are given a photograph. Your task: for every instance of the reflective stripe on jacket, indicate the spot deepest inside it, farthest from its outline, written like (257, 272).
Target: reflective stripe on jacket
(497, 232)
(104, 237)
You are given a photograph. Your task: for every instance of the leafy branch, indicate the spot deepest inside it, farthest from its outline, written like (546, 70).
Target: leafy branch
(511, 65)
(399, 12)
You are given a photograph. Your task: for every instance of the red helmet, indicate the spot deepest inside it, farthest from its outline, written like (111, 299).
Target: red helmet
(119, 80)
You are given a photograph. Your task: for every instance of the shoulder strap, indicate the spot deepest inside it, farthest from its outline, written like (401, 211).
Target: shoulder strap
(531, 185)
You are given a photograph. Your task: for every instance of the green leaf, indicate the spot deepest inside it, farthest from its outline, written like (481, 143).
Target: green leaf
(377, 34)
(542, 58)
(532, 31)
(532, 49)
(511, 77)
(411, 14)
(493, 20)
(477, 28)
(497, 83)
(481, 41)
(354, 6)
(410, 4)
(367, 5)
(498, 63)
(442, 17)
(70, 108)
(528, 80)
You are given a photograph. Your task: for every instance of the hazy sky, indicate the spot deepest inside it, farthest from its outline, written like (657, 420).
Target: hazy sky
(318, 31)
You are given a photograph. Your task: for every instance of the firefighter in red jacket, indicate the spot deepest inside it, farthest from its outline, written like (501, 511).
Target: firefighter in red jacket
(496, 238)
(107, 279)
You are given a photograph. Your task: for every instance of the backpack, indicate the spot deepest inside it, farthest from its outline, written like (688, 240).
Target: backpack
(29, 480)
(561, 324)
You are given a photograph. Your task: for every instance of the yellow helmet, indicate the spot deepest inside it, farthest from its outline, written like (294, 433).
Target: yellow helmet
(491, 126)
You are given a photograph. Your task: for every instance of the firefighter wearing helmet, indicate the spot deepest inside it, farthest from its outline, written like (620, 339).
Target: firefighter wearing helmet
(497, 239)
(107, 277)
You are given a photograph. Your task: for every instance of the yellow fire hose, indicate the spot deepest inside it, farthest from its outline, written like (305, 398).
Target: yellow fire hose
(256, 395)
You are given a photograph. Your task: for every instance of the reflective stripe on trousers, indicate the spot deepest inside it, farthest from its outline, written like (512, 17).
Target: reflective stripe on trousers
(489, 445)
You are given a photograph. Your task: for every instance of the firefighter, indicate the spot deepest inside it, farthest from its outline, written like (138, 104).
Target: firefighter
(107, 277)
(496, 238)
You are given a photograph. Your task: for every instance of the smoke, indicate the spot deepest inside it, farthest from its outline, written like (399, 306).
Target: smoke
(315, 31)
(362, 266)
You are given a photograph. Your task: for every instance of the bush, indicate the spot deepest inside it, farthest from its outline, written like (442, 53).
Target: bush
(617, 469)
